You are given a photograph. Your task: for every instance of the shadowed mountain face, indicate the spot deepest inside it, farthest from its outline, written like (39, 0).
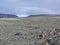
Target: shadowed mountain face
(8, 16)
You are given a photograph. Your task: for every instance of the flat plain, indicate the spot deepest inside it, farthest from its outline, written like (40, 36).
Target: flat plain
(24, 31)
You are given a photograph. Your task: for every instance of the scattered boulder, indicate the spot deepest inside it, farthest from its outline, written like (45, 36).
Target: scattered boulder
(18, 33)
(41, 36)
(36, 27)
(57, 30)
(41, 43)
(54, 41)
(48, 40)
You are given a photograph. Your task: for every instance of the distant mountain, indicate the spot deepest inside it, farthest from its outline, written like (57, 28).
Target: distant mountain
(44, 15)
(8, 16)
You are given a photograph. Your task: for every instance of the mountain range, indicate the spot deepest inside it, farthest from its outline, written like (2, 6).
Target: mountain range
(8, 16)
(44, 15)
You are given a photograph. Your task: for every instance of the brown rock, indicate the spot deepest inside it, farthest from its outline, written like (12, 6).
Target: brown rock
(41, 43)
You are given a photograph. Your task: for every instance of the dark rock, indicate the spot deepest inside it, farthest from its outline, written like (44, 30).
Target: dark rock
(54, 41)
(18, 33)
(57, 30)
(48, 40)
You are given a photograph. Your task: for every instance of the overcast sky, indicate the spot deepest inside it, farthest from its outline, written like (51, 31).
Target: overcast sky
(28, 7)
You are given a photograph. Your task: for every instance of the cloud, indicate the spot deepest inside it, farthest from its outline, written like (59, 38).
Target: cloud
(27, 7)
(53, 1)
(37, 10)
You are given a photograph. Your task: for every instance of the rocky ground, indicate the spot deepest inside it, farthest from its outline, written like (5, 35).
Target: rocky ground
(30, 31)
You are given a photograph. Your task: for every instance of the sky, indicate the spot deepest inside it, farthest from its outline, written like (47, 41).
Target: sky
(23, 8)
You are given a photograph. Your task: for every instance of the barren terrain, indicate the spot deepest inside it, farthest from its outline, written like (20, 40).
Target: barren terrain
(25, 31)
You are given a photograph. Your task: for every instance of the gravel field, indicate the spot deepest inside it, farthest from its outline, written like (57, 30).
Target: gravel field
(30, 31)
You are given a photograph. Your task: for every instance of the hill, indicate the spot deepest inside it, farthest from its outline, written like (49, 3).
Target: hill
(44, 15)
(8, 16)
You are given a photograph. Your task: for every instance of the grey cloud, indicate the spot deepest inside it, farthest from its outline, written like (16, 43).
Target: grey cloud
(29, 6)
